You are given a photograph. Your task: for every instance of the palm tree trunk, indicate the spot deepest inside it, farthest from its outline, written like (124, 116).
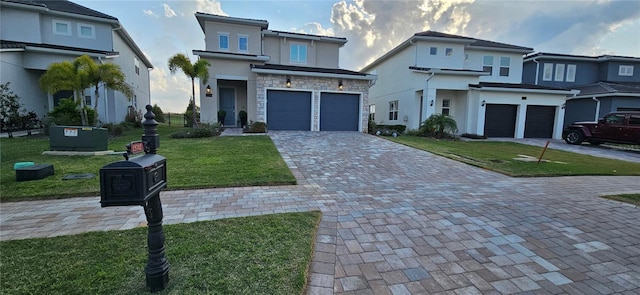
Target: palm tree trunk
(193, 106)
(83, 111)
(95, 120)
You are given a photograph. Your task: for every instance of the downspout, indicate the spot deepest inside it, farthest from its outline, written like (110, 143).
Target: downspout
(597, 115)
(415, 58)
(537, 68)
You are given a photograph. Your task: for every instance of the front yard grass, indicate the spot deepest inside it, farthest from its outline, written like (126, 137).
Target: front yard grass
(627, 198)
(191, 163)
(498, 157)
(267, 254)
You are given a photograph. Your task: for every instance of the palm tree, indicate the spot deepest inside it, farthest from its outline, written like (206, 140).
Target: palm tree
(108, 75)
(439, 124)
(199, 69)
(82, 74)
(67, 76)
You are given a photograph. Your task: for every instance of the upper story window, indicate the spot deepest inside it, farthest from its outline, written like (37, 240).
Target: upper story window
(433, 50)
(571, 73)
(136, 64)
(223, 41)
(505, 63)
(448, 51)
(559, 72)
(625, 70)
(487, 64)
(393, 110)
(243, 43)
(62, 27)
(86, 31)
(548, 72)
(446, 107)
(298, 53)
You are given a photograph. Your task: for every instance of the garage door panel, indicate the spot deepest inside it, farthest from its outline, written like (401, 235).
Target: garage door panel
(289, 110)
(500, 120)
(539, 122)
(339, 112)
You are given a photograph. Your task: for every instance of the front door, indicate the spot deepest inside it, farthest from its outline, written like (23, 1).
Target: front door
(227, 97)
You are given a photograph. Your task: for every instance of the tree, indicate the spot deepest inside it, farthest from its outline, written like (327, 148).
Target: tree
(158, 112)
(9, 109)
(199, 69)
(81, 74)
(439, 125)
(108, 75)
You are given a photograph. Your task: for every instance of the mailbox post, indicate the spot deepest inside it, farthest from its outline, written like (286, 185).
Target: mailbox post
(138, 181)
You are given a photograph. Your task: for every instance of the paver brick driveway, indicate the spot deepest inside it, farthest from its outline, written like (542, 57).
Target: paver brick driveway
(409, 222)
(397, 220)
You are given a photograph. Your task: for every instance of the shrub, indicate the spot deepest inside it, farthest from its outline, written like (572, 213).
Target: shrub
(256, 127)
(68, 113)
(158, 112)
(205, 130)
(114, 130)
(372, 127)
(188, 115)
(133, 117)
(439, 126)
(473, 136)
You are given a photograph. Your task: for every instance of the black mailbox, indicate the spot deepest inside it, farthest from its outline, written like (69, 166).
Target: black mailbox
(132, 182)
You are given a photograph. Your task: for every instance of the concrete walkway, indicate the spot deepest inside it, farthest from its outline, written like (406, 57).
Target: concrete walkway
(402, 221)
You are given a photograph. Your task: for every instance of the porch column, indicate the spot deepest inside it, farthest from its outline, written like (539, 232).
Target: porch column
(429, 103)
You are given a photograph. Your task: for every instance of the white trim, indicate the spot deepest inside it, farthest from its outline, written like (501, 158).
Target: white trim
(313, 74)
(617, 94)
(452, 72)
(67, 52)
(230, 56)
(500, 66)
(492, 65)
(571, 68)
(559, 73)
(525, 90)
(548, 69)
(64, 22)
(625, 70)
(240, 36)
(93, 31)
(306, 53)
(220, 34)
(360, 105)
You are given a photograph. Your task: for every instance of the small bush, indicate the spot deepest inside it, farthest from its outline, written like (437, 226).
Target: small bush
(256, 127)
(413, 132)
(68, 113)
(133, 117)
(372, 127)
(114, 130)
(205, 130)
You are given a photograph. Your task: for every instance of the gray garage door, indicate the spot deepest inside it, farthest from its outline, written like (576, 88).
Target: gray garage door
(288, 110)
(500, 120)
(339, 112)
(539, 122)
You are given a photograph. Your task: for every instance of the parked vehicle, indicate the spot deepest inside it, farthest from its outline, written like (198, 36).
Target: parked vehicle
(616, 127)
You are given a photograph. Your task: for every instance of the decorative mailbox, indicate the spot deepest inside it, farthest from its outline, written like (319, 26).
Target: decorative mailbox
(132, 182)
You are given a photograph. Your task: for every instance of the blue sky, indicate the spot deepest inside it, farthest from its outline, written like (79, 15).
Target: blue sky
(372, 27)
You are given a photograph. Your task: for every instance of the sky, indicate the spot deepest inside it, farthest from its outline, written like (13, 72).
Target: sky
(372, 27)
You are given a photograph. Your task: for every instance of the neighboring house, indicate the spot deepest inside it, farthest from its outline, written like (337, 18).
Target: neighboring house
(606, 83)
(477, 82)
(290, 81)
(35, 34)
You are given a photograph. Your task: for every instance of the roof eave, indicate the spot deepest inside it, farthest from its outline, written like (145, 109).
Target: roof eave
(511, 50)
(314, 74)
(610, 94)
(525, 90)
(202, 17)
(202, 53)
(387, 55)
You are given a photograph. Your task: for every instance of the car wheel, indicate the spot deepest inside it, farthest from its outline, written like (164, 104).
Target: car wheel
(574, 137)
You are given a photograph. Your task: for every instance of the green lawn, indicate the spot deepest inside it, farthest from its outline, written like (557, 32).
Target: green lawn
(498, 156)
(627, 198)
(191, 163)
(266, 254)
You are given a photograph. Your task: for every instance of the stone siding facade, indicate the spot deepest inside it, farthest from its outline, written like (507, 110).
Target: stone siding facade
(316, 85)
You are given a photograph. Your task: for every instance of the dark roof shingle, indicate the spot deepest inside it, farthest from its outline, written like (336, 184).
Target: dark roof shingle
(474, 42)
(64, 6)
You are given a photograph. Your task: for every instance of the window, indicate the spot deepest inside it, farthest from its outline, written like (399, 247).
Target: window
(448, 51)
(505, 62)
(433, 50)
(571, 73)
(372, 112)
(393, 110)
(243, 43)
(446, 107)
(87, 100)
(615, 119)
(298, 53)
(487, 64)
(634, 120)
(136, 64)
(223, 41)
(62, 28)
(86, 31)
(548, 72)
(559, 72)
(625, 70)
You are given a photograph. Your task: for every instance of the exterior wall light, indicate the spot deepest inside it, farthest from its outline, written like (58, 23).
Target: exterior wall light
(484, 102)
(431, 103)
(208, 93)
(288, 84)
(340, 85)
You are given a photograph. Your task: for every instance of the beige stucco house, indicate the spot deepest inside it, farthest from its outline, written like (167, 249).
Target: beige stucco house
(289, 80)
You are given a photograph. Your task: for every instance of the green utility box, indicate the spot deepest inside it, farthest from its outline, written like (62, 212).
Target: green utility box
(78, 138)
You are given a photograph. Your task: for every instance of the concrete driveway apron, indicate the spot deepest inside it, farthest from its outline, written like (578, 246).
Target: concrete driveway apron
(409, 222)
(402, 221)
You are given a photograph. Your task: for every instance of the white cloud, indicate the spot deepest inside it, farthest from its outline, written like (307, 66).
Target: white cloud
(148, 12)
(168, 12)
(209, 6)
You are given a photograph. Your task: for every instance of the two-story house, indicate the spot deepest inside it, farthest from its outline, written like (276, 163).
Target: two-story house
(35, 34)
(606, 83)
(477, 82)
(290, 81)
